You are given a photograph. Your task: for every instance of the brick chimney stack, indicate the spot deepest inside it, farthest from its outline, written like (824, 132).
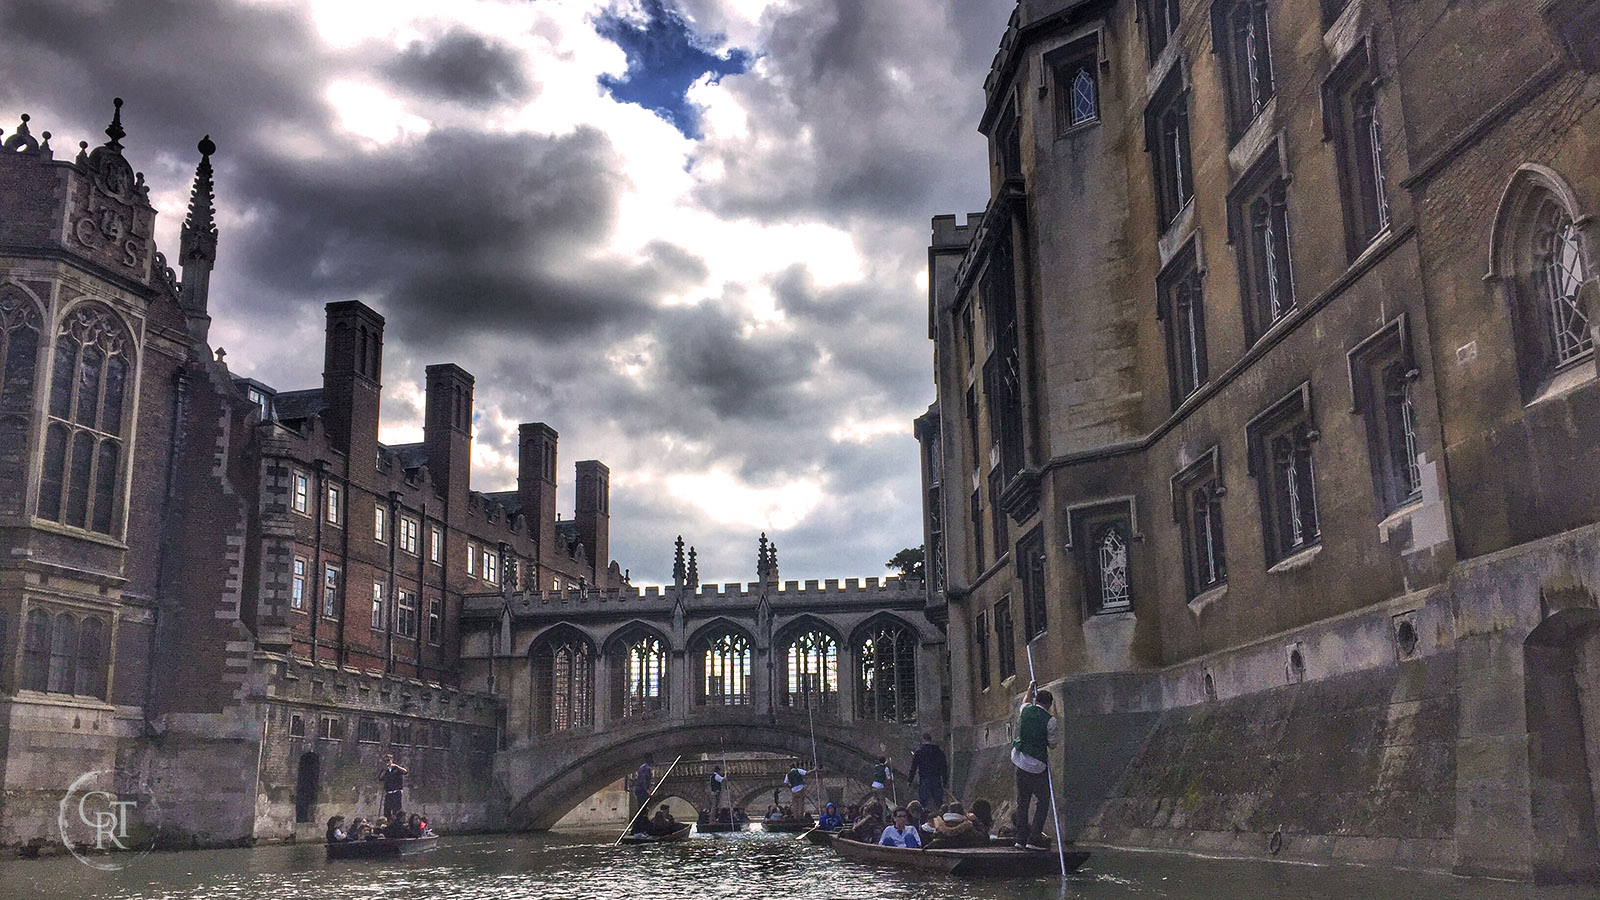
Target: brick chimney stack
(447, 430)
(352, 371)
(594, 515)
(536, 483)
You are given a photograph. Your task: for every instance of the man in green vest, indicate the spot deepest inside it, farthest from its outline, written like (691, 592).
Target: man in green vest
(1037, 732)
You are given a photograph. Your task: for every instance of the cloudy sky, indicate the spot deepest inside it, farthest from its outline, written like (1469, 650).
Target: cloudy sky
(690, 235)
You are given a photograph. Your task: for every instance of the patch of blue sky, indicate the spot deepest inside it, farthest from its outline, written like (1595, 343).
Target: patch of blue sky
(665, 58)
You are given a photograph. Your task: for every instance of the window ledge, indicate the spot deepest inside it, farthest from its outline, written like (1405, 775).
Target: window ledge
(1121, 614)
(1072, 131)
(1370, 248)
(1575, 376)
(52, 698)
(1401, 514)
(1199, 602)
(1296, 560)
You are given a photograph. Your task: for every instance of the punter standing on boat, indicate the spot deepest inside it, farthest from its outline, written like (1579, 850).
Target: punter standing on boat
(880, 778)
(641, 786)
(1037, 732)
(714, 787)
(796, 782)
(928, 771)
(393, 777)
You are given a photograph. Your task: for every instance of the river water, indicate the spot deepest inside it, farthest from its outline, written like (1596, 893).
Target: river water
(584, 866)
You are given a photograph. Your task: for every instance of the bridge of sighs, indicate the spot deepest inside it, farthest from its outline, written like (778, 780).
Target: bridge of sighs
(596, 682)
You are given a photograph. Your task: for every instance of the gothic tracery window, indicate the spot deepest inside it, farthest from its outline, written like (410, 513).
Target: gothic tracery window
(644, 675)
(84, 440)
(812, 671)
(724, 664)
(563, 668)
(1559, 272)
(886, 676)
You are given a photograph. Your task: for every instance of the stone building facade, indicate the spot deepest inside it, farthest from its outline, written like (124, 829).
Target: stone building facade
(229, 600)
(1266, 420)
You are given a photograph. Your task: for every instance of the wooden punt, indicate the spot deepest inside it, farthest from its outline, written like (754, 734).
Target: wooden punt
(682, 834)
(382, 848)
(821, 836)
(980, 861)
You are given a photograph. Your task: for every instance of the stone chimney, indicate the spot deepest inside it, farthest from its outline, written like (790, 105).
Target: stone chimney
(447, 430)
(536, 483)
(594, 515)
(352, 371)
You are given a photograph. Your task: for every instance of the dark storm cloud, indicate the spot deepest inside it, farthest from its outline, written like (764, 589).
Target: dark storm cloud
(736, 376)
(665, 57)
(459, 230)
(863, 93)
(237, 71)
(462, 67)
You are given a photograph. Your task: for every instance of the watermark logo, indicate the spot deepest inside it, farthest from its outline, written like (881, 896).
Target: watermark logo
(103, 829)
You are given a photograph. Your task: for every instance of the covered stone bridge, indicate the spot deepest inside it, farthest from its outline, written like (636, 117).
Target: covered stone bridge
(594, 683)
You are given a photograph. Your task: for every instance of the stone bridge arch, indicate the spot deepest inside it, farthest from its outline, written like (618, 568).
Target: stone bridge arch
(543, 782)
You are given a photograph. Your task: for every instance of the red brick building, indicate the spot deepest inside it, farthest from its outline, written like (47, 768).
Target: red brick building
(233, 598)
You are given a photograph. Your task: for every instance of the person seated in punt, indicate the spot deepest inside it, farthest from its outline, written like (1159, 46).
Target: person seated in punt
(662, 823)
(774, 813)
(336, 830)
(982, 816)
(397, 827)
(359, 829)
(869, 826)
(900, 832)
(380, 828)
(830, 820)
(740, 816)
(954, 829)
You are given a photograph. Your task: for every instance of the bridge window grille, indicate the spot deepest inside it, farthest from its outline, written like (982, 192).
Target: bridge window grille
(725, 671)
(813, 672)
(646, 675)
(887, 676)
(564, 672)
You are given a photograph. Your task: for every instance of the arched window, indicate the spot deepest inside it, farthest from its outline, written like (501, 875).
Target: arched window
(19, 357)
(1111, 556)
(36, 652)
(63, 654)
(886, 682)
(723, 661)
(811, 666)
(1558, 272)
(91, 676)
(1542, 258)
(563, 670)
(643, 669)
(88, 401)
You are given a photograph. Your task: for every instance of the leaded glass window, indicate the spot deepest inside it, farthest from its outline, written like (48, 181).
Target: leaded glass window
(812, 671)
(88, 400)
(1111, 552)
(645, 677)
(563, 668)
(1559, 273)
(1242, 35)
(724, 670)
(886, 677)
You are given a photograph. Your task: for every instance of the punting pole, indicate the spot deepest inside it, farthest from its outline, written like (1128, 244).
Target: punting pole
(1061, 849)
(646, 804)
(813, 720)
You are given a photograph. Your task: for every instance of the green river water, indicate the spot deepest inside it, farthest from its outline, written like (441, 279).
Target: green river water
(584, 866)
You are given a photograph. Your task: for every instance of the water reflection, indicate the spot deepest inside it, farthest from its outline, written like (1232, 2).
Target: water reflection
(586, 867)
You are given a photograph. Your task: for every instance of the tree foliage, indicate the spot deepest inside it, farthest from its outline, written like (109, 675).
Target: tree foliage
(908, 562)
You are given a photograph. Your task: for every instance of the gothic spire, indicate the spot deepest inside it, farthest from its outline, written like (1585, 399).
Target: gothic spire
(772, 561)
(197, 245)
(201, 212)
(678, 573)
(761, 559)
(694, 570)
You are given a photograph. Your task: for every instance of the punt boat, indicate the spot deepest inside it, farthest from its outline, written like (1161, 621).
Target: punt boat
(682, 834)
(382, 848)
(1004, 861)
